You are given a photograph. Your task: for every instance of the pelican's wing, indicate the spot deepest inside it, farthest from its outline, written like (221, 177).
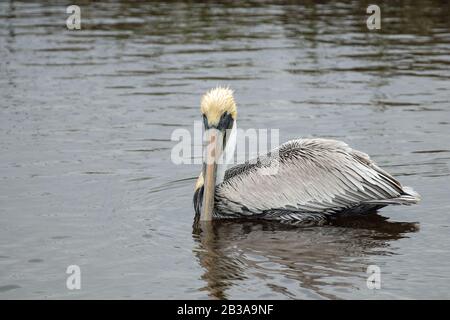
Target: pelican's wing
(308, 176)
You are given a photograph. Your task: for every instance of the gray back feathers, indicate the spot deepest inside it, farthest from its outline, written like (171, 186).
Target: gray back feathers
(315, 177)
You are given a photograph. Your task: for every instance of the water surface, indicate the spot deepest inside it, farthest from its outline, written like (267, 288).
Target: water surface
(86, 119)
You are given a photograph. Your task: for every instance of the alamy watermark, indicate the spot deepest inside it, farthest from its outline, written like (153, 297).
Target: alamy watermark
(73, 281)
(374, 279)
(241, 146)
(374, 20)
(73, 22)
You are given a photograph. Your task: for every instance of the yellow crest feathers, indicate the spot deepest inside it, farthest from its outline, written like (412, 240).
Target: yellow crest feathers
(216, 102)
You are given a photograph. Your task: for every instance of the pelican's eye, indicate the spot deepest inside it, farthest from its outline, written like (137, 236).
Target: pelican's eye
(225, 122)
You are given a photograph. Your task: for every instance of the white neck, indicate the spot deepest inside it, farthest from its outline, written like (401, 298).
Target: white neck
(228, 154)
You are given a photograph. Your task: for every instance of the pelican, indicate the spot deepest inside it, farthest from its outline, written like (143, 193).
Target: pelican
(316, 179)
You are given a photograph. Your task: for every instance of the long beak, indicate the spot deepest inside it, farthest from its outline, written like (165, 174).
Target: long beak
(214, 140)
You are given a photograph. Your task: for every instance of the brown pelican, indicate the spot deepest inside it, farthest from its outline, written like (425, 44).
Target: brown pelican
(316, 179)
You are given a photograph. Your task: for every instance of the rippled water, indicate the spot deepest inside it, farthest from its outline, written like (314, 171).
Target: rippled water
(86, 119)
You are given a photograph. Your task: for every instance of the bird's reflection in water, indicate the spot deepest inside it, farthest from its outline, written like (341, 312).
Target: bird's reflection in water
(313, 257)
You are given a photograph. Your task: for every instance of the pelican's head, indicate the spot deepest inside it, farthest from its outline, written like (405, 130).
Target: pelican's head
(219, 115)
(218, 108)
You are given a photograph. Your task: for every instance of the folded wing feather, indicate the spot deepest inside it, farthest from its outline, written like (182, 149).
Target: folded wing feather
(309, 175)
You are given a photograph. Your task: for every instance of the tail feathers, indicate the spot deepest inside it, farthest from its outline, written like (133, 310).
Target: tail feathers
(411, 192)
(408, 198)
